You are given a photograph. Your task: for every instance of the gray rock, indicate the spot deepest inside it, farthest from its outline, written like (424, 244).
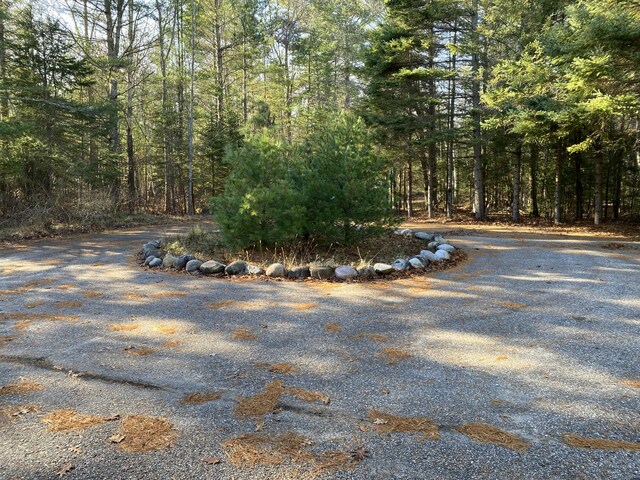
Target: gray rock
(276, 270)
(182, 261)
(427, 237)
(148, 260)
(152, 252)
(236, 268)
(416, 263)
(366, 271)
(427, 256)
(156, 262)
(169, 261)
(299, 272)
(212, 267)
(407, 232)
(322, 272)
(400, 265)
(439, 239)
(193, 266)
(433, 246)
(447, 248)
(383, 268)
(255, 270)
(441, 255)
(346, 272)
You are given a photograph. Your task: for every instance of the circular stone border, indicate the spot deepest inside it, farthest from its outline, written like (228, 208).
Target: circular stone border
(438, 255)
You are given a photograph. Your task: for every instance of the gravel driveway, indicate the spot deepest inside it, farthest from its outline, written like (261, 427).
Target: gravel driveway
(537, 335)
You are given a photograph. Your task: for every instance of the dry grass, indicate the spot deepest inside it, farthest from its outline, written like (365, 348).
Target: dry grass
(281, 368)
(139, 351)
(166, 329)
(387, 423)
(333, 327)
(122, 327)
(145, 434)
(485, 433)
(63, 304)
(220, 304)
(599, 443)
(309, 396)
(172, 343)
(393, 355)
(631, 383)
(262, 403)
(511, 305)
(21, 387)
(67, 419)
(9, 412)
(267, 449)
(197, 398)
(93, 294)
(243, 334)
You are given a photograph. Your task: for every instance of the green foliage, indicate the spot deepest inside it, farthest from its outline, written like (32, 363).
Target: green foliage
(260, 203)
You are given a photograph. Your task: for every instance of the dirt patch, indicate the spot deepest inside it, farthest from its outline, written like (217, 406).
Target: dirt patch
(243, 334)
(599, 443)
(123, 327)
(281, 368)
(388, 423)
(309, 396)
(141, 434)
(485, 433)
(93, 294)
(333, 327)
(21, 387)
(197, 398)
(67, 419)
(64, 304)
(139, 351)
(9, 412)
(393, 355)
(262, 403)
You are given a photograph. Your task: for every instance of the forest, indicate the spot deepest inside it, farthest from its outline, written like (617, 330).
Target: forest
(510, 107)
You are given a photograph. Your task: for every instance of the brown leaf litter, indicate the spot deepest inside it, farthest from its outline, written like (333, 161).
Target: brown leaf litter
(25, 319)
(167, 293)
(63, 304)
(93, 294)
(485, 433)
(374, 337)
(166, 329)
(67, 286)
(287, 448)
(511, 305)
(9, 412)
(267, 401)
(393, 355)
(333, 327)
(599, 443)
(172, 343)
(197, 398)
(281, 368)
(67, 419)
(21, 387)
(243, 334)
(144, 434)
(628, 383)
(302, 307)
(139, 351)
(123, 327)
(26, 287)
(388, 423)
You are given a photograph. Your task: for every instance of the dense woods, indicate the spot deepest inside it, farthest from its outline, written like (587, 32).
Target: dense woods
(520, 106)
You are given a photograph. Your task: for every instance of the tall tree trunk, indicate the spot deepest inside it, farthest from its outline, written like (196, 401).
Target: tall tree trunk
(599, 154)
(131, 165)
(190, 206)
(617, 193)
(557, 217)
(4, 103)
(219, 61)
(410, 181)
(579, 188)
(452, 117)
(535, 157)
(478, 180)
(515, 203)
(433, 148)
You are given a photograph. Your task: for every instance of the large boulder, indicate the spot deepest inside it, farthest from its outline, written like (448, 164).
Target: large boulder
(383, 268)
(236, 268)
(442, 255)
(346, 272)
(212, 267)
(169, 261)
(149, 259)
(433, 246)
(416, 263)
(321, 272)
(193, 266)
(156, 262)
(400, 265)
(447, 248)
(182, 261)
(427, 237)
(276, 270)
(299, 272)
(428, 256)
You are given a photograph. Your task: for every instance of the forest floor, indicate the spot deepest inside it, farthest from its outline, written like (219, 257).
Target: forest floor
(537, 334)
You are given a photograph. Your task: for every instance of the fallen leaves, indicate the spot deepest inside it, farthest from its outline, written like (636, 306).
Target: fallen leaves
(9, 412)
(26, 287)
(333, 327)
(123, 327)
(599, 443)
(196, 398)
(139, 351)
(93, 294)
(511, 305)
(627, 383)
(388, 423)
(166, 329)
(21, 387)
(145, 434)
(68, 419)
(220, 304)
(65, 304)
(393, 355)
(243, 334)
(266, 401)
(485, 433)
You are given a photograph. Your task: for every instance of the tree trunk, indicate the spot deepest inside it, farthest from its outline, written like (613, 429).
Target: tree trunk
(599, 154)
(535, 157)
(557, 217)
(478, 180)
(452, 117)
(190, 205)
(4, 103)
(579, 188)
(131, 166)
(515, 203)
(410, 181)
